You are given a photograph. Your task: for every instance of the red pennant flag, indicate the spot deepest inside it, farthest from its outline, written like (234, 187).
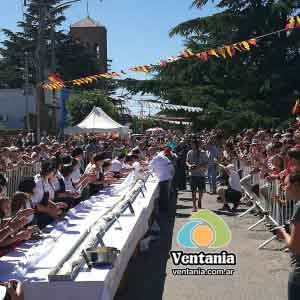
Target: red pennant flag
(54, 77)
(252, 42)
(296, 108)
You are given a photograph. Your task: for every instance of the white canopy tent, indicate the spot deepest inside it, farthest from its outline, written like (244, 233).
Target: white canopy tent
(98, 121)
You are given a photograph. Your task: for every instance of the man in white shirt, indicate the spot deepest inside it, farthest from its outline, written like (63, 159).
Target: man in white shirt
(118, 163)
(234, 192)
(164, 170)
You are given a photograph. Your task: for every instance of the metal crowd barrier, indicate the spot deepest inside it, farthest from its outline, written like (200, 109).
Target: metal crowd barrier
(270, 203)
(15, 175)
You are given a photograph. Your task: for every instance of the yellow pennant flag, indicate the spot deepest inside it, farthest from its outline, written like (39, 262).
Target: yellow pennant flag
(297, 22)
(212, 52)
(228, 49)
(145, 69)
(245, 45)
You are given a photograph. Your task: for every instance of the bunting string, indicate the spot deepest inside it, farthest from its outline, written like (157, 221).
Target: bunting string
(228, 50)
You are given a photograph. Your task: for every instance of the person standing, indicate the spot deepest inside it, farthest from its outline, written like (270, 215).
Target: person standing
(213, 155)
(292, 238)
(197, 162)
(164, 170)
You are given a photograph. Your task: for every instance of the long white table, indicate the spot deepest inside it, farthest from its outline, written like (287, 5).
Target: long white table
(32, 262)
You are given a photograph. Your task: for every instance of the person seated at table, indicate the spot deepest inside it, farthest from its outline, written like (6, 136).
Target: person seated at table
(234, 192)
(109, 176)
(68, 188)
(107, 164)
(78, 176)
(21, 201)
(95, 172)
(117, 165)
(11, 290)
(132, 163)
(43, 197)
(12, 229)
(79, 181)
(3, 185)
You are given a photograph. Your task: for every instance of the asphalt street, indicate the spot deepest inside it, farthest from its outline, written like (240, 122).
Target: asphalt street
(259, 274)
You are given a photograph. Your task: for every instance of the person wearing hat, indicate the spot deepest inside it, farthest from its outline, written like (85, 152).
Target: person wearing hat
(197, 162)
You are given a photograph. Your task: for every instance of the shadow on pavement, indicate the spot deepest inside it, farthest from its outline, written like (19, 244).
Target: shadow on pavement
(146, 272)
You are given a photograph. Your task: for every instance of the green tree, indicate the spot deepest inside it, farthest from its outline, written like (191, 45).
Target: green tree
(260, 85)
(82, 102)
(72, 59)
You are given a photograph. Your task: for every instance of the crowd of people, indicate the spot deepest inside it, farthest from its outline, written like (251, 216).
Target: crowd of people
(81, 166)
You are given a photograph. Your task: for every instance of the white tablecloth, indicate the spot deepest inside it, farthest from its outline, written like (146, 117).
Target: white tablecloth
(94, 284)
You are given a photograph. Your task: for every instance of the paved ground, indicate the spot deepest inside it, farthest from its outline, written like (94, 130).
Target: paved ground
(259, 274)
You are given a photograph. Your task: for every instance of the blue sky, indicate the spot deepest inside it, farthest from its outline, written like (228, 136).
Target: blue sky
(137, 29)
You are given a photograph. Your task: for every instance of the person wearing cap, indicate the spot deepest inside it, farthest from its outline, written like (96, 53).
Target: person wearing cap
(197, 162)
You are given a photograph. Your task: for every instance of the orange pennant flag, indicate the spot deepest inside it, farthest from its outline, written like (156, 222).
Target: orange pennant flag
(291, 24)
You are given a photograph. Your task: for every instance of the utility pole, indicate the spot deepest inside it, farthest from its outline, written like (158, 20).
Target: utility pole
(26, 90)
(53, 69)
(40, 60)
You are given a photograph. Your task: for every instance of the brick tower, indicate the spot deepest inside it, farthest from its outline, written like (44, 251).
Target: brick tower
(92, 35)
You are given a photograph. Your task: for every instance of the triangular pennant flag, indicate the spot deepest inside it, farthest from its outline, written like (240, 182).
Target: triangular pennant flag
(212, 52)
(187, 53)
(228, 49)
(291, 24)
(245, 45)
(252, 42)
(296, 108)
(222, 52)
(236, 47)
(297, 22)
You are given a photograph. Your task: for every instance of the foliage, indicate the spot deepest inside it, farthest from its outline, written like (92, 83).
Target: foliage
(71, 58)
(81, 103)
(257, 88)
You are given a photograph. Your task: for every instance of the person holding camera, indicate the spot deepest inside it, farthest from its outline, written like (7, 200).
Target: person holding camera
(292, 239)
